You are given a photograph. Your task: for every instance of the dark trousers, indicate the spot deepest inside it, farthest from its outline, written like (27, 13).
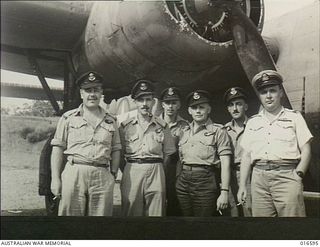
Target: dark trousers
(173, 207)
(197, 192)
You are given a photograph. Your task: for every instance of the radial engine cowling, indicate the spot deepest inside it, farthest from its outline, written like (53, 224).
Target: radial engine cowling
(177, 42)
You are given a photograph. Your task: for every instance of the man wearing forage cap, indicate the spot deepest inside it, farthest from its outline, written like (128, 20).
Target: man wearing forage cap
(147, 145)
(171, 103)
(235, 100)
(203, 147)
(89, 137)
(276, 143)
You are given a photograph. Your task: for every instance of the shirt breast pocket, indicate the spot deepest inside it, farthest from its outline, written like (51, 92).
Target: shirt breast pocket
(105, 133)
(286, 131)
(132, 143)
(77, 132)
(206, 147)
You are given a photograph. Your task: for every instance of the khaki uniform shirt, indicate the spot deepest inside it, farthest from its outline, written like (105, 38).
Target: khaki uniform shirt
(176, 127)
(84, 143)
(153, 142)
(236, 138)
(279, 139)
(204, 146)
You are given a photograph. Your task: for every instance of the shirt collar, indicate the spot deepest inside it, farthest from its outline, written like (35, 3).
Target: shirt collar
(202, 126)
(263, 114)
(232, 123)
(79, 112)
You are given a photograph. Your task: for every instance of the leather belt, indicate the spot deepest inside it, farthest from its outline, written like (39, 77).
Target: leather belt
(74, 161)
(277, 165)
(196, 167)
(145, 160)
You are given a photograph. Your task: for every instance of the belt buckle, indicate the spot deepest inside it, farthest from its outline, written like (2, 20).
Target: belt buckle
(139, 161)
(273, 166)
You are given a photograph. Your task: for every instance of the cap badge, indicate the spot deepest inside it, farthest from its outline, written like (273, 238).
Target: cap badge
(91, 77)
(196, 96)
(170, 91)
(143, 86)
(233, 91)
(265, 77)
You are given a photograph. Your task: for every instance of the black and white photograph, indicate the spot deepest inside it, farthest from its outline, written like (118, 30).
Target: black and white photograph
(160, 120)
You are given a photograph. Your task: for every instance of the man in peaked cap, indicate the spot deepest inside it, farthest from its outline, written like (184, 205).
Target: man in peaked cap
(89, 137)
(148, 144)
(203, 146)
(276, 143)
(235, 100)
(171, 103)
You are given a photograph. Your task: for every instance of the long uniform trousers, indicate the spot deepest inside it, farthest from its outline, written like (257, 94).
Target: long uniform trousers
(86, 190)
(246, 209)
(197, 192)
(277, 193)
(143, 190)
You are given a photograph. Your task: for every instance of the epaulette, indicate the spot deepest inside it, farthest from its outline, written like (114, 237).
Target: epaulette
(126, 122)
(218, 125)
(227, 125)
(70, 113)
(161, 122)
(253, 116)
(291, 110)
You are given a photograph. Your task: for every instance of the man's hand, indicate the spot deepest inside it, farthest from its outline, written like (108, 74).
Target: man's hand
(242, 194)
(56, 187)
(114, 174)
(222, 202)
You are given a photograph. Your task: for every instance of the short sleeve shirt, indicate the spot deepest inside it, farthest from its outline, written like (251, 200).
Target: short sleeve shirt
(155, 141)
(204, 146)
(82, 141)
(236, 138)
(279, 139)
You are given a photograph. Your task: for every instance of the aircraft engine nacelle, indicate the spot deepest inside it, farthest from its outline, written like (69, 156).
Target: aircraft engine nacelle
(176, 42)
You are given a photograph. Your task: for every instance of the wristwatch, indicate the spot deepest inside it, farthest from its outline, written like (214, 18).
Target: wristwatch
(300, 174)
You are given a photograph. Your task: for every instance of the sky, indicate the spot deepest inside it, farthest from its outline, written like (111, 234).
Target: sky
(273, 8)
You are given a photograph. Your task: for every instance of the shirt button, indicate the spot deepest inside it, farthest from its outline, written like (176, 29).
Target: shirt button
(269, 133)
(266, 152)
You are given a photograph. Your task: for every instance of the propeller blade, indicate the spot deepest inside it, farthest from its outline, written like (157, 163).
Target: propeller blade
(250, 47)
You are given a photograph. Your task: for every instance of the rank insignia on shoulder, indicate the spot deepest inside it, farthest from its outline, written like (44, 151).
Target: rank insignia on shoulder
(284, 120)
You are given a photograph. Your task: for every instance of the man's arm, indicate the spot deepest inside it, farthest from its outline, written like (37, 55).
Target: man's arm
(56, 169)
(222, 202)
(115, 162)
(305, 158)
(245, 168)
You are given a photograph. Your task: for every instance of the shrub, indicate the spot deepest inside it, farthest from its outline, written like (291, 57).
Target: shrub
(26, 131)
(40, 135)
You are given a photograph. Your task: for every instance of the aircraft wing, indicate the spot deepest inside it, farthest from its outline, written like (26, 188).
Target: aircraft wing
(47, 30)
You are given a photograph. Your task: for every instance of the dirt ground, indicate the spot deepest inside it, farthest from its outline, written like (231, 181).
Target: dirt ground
(20, 168)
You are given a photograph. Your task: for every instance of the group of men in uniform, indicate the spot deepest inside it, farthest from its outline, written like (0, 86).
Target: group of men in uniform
(173, 167)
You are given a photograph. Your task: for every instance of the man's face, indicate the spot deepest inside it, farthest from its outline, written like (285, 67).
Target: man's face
(271, 97)
(144, 104)
(91, 96)
(171, 107)
(237, 108)
(200, 112)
